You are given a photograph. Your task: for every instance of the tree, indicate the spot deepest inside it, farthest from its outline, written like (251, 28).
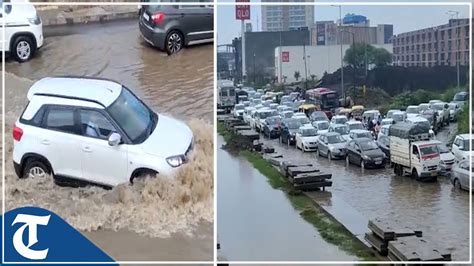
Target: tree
(297, 75)
(360, 54)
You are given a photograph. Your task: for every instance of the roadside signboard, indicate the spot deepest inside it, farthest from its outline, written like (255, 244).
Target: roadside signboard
(285, 56)
(242, 12)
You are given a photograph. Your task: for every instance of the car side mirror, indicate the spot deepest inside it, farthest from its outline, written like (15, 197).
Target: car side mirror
(115, 139)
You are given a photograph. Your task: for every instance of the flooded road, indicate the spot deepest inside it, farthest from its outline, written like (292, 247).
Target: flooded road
(181, 84)
(172, 215)
(440, 211)
(257, 222)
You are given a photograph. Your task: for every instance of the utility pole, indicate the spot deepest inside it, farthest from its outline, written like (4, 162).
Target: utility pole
(453, 14)
(342, 56)
(244, 72)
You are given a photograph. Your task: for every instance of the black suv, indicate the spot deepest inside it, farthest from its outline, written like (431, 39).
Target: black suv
(170, 27)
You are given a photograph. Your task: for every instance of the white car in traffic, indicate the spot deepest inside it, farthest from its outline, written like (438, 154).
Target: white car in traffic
(307, 138)
(462, 147)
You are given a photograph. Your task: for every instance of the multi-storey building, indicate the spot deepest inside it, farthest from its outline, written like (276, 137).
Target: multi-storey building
(284, 18)
(444, 45)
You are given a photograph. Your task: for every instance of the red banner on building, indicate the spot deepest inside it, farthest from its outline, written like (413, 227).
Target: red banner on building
(242, 12)
(285, 56)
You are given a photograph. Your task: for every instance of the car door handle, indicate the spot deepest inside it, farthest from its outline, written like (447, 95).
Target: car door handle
(87, 149)
(45, 142)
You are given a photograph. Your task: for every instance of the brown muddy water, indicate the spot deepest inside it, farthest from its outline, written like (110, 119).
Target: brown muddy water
(439, 210)
(157, 218)
(256, 222)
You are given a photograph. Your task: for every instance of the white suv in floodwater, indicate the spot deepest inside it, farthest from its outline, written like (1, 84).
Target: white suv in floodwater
(95, 131)
(23, 29)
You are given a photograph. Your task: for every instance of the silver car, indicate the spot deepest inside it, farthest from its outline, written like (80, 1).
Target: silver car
(460, 175)
(331, 145)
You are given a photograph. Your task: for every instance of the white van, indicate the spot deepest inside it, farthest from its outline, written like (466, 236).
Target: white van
(23, 29)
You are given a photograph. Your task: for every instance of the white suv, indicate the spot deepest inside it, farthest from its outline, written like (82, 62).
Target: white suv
(23, 30)
(95, 131)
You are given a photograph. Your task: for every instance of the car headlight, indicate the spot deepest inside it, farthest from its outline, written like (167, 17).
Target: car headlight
(35, 21)
(175, 161)
(365, 157)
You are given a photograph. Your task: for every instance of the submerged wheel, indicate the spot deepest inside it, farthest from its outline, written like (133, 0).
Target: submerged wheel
(35, 168)
(174, 42)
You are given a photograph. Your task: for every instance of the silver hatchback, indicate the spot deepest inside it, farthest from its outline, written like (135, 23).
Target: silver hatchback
(460, 175)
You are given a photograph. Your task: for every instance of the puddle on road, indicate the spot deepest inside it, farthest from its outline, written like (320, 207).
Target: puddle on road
(180, 86)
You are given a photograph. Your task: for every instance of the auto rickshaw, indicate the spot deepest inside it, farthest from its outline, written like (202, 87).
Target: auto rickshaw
(345, 111)
(357, 111)
(308, 108)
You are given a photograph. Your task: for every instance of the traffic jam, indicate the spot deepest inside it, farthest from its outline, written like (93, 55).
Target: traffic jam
(405, 140)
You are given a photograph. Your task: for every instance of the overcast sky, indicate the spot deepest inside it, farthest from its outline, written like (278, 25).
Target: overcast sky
(403, 18)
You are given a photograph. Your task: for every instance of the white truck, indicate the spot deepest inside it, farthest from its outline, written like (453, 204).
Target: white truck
(412, 152)
(226, 99)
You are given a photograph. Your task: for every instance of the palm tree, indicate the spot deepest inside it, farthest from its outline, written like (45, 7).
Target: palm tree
(297, 75)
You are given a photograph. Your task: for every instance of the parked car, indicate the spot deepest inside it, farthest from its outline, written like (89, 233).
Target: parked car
(443, 112)
(321, 126)
(331, 145)
(261, 115)
(23, 31)
(238, 111)
(360, 133)
(289, 127)
(454, 111)
(318, 116)
(412, 111)
(88, 130)
(461, 98)
(171, 27)
(461, 174)
(461, 149)
(355, 125)
(339, 119)
(272, 127)
(307, 138)
(447, 158)
(423, 107)
(342, 129)
(386, 122)
(365, 153)
(390, 113)
(384, 144)
(399, 116)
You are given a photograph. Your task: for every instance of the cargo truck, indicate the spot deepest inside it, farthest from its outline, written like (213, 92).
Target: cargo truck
(412, 152)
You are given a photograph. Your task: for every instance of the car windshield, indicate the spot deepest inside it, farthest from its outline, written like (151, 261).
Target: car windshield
(264, 115)
(293, 124)
(342, 130)
(133, 116)
(239, 107)
(303, 120)
(341, 120)
(356, 126)
(334, 139)
(364, 135)
(413, 110)
(323, 125)
(397, 117)
(438, 106)
(308, 132)
(442, 148)
(368, 145)
(466, 145)
(460, 97)
(273, 120)
(428, 150)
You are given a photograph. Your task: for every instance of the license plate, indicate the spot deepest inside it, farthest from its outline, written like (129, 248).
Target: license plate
(378, 162)
(146, 16)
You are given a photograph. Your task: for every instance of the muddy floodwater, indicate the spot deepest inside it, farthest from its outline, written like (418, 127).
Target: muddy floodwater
(156, 218)
(439, 210)
(257, 222)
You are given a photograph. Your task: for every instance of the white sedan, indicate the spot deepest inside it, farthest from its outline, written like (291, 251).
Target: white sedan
(307, 138)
